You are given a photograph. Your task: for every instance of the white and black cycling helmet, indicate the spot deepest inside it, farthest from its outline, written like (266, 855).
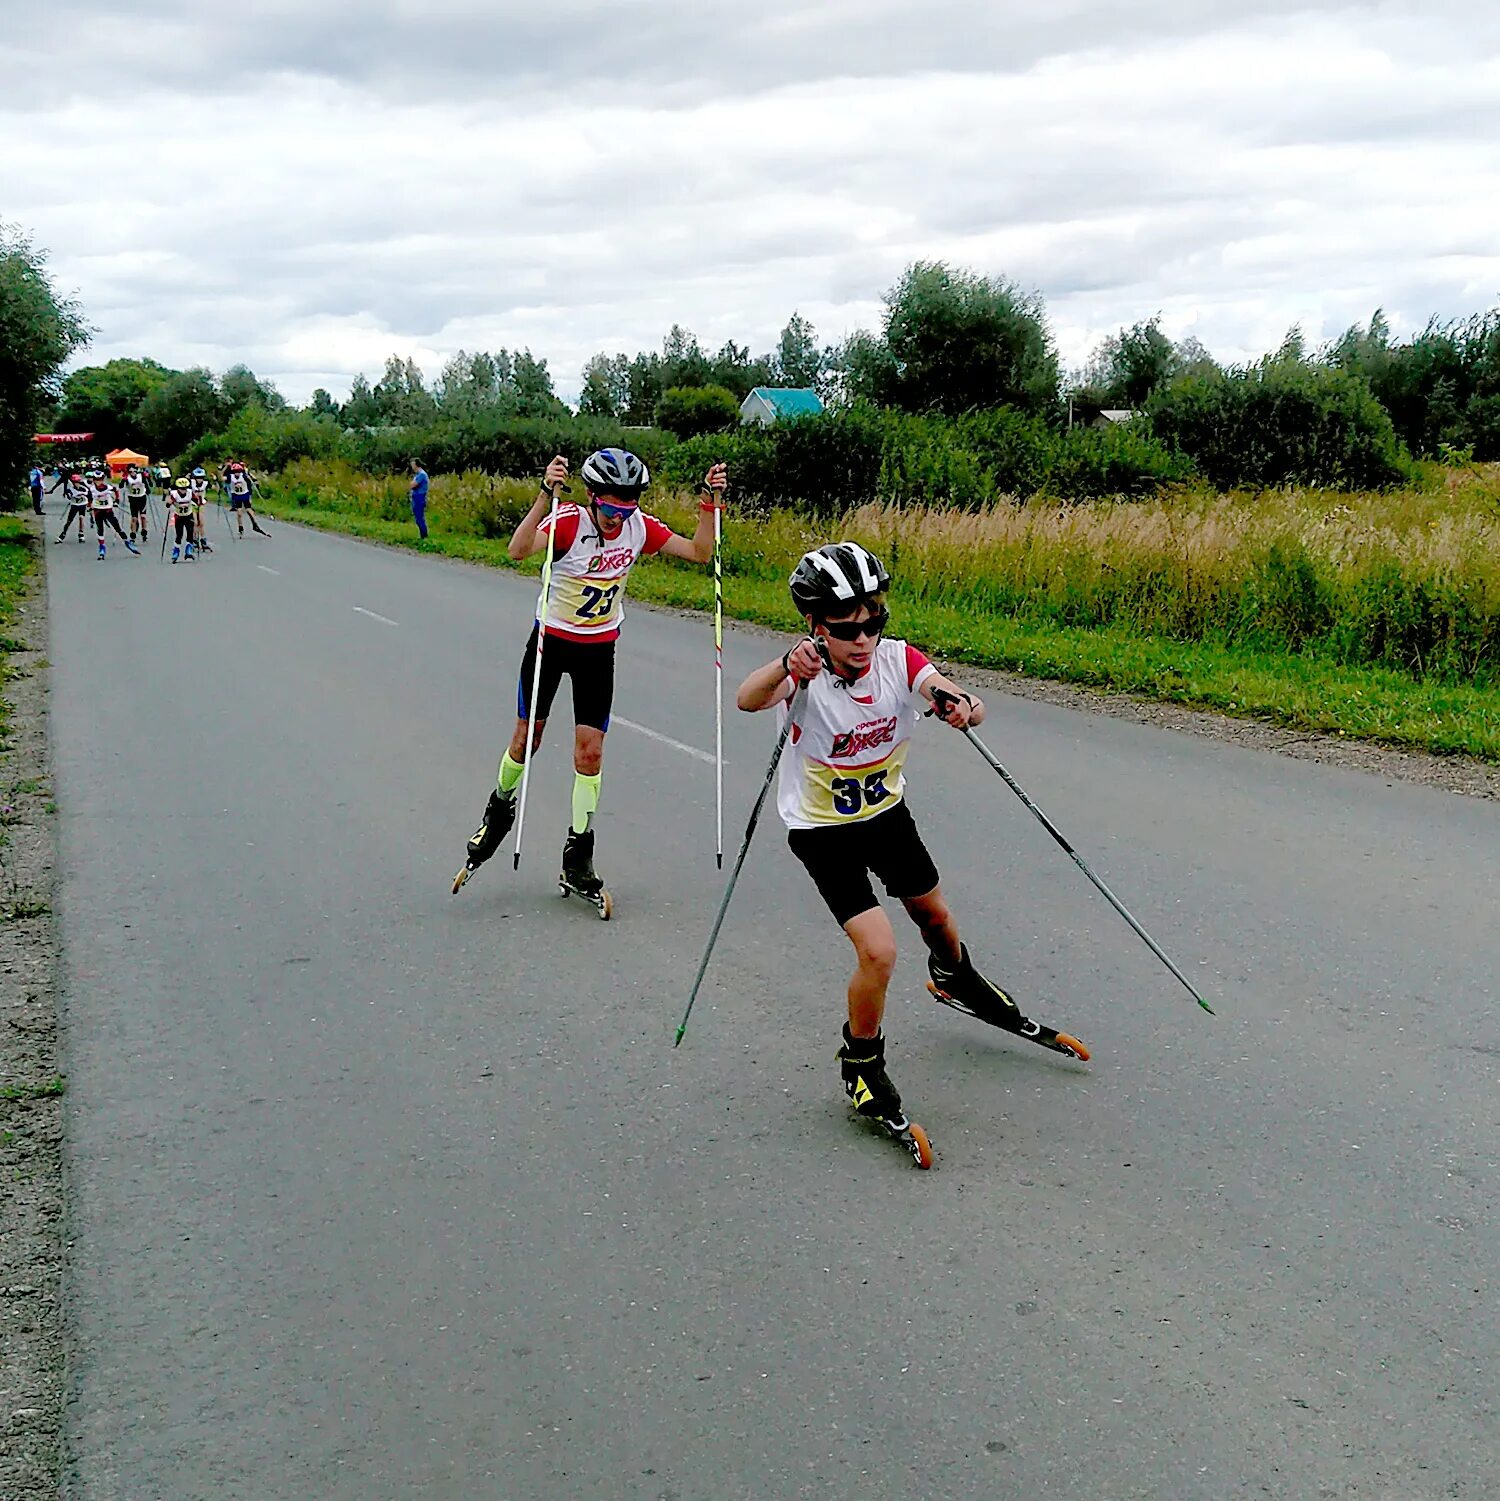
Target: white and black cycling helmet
(615, 471)
(836, 579)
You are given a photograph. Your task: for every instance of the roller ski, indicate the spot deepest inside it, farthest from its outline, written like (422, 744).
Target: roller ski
(874, 1097)
(966, 990)
(499, 815)
(577, 877)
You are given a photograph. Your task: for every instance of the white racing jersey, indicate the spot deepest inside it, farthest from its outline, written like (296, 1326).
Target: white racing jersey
(78, 495)
(586, 600)
(181, 502)
(102, 500)
(198, 487)
(135, 486)
(239, 483)
(845, 756)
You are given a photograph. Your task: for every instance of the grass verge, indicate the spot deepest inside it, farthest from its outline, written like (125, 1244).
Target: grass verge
(17, 559)
(1300, 692)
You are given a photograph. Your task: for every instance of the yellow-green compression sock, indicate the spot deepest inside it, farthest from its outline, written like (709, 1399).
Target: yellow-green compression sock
(585, 799)
(510, 775)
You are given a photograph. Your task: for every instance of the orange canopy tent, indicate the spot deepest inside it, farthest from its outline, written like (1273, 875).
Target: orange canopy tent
(120, 459)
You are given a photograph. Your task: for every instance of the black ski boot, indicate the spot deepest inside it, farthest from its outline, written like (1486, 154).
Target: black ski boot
(499, 815)
(966, 990)
(873, 1096)
(578, 877)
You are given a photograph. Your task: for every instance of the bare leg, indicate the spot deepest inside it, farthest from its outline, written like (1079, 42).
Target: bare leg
(875, 961)
(588, 750)
(935, 922)
(518, 739)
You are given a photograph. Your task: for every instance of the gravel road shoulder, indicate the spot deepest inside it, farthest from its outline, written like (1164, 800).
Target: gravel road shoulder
(31, 1205)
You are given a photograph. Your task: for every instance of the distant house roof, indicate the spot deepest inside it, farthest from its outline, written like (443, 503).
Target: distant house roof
(1117, 414)
(789, 401)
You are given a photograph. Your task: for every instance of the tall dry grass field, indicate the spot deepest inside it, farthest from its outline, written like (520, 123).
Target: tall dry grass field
(1408, 580)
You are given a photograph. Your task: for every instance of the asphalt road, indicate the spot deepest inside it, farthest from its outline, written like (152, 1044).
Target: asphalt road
(381, 1192)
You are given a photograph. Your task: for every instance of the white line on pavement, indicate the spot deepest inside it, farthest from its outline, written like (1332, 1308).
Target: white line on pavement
(264, 569)
(690, 750)
(384, 619)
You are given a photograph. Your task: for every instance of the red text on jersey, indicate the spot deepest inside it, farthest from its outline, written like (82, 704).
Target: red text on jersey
(863, 737)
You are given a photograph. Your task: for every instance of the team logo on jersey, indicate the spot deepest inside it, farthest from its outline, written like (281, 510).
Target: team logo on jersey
(612, 562)
(864, 737)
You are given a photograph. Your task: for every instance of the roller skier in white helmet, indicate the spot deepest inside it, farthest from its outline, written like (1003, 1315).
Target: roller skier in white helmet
(595, 546)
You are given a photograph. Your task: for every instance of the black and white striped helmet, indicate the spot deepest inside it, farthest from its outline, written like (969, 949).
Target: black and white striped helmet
(615, 471)
(836, 579)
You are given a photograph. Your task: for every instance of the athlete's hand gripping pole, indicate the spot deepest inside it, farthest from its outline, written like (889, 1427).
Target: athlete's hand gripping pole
(536, 672)
(939, 695)
(734, 875)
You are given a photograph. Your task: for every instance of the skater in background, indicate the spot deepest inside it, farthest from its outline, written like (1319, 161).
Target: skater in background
(184, 514)
(239, 484)
(76, 492)
(137, 493)
(841, 795)
(103, 498)
(198, 483)
(418, 493)
(595, 545)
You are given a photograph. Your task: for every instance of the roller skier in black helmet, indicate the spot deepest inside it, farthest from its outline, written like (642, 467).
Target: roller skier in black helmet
(841, 795)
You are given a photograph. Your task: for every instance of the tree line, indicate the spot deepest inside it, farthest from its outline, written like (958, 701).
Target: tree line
(956, 349)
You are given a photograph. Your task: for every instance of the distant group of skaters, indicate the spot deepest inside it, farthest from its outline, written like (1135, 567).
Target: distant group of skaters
(94, 495)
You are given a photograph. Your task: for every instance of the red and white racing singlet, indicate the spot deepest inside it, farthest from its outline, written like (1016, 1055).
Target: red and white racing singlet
(586, 601)
(844, 761)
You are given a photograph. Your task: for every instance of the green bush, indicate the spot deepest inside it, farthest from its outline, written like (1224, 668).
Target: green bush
(267, 440)
(689, 411)
(825, 464)
(1279, 423)
(1123, 462)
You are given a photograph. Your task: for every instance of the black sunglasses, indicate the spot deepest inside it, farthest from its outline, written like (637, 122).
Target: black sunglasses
(852, 630)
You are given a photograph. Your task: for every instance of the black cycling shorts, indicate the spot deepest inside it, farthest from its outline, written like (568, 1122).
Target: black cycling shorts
(841, 858)
(591, 665)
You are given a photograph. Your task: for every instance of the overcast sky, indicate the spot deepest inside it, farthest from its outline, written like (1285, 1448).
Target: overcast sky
(306, 186)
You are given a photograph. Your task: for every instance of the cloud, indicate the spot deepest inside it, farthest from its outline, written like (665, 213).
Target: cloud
(307, 189)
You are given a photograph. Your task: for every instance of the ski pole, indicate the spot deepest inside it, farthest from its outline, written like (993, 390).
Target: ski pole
(734, 875)
(536, 671)
(163, 537)
(1073, 855)
(718, 684)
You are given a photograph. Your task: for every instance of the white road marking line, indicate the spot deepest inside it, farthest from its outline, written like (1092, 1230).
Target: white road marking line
(689, 750)
(264, 569)
(384, 619)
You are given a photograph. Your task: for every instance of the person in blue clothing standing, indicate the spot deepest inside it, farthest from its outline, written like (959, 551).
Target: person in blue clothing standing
(419, 496)
(35, 480)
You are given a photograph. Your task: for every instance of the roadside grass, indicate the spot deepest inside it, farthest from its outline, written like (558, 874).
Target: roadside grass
(17, 559)
(1298, 690)
(49, 1089)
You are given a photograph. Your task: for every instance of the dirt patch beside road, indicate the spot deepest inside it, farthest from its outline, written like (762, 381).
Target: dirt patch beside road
(31, 1203)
